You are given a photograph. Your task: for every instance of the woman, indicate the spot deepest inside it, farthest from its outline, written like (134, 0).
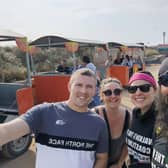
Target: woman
(117, 119)
(142, 89)
(160, 148)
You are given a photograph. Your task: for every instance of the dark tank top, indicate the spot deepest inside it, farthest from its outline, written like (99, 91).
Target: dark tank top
(116, 145)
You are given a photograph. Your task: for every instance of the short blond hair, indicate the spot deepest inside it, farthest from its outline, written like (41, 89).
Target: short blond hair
(83, 72)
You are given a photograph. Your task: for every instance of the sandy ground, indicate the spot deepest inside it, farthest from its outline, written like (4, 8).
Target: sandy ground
(28, 159)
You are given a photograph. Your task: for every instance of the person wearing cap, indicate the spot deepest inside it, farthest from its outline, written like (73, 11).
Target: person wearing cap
(142, 89)
(160, 145)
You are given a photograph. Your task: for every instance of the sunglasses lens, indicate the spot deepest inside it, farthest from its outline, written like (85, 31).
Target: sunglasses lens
(145, 88)
(117, 92)
(107, 92)
(163, 80)
(132, 89)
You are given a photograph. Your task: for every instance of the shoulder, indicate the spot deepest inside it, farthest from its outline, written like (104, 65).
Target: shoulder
(161, 145)
(40, 112)
(135, 112)
(45, 107)
(98, 110)
(126, 110)
(39, 107)
(128, 116)
(91, 66)
(96, 118)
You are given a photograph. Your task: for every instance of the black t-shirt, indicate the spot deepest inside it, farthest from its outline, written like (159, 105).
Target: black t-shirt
(139, 138)
(160, 153)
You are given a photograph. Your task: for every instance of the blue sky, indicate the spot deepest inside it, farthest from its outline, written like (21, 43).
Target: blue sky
(128, 21)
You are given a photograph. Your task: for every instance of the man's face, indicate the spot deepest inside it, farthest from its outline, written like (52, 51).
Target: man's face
(82, 89)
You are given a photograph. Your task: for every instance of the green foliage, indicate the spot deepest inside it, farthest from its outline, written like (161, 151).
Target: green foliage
(11, 67)
(13, 74)
(151, 51)
(48, 59)
(13, 61)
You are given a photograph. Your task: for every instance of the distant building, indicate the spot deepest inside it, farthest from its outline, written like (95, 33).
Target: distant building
(163, 48)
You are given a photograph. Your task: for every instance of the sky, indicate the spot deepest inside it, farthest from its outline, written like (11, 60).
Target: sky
(129, 21)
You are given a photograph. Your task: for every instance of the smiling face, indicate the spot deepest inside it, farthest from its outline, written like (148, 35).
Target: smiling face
(112, 100)
(140, 99)
(82, 88)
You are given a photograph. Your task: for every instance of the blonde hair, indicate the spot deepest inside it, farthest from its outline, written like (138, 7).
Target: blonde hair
(83, 72)
(109, 80)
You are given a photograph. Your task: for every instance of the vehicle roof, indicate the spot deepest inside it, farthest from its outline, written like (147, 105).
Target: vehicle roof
(59, 41)
(8, 35)
(131, 45)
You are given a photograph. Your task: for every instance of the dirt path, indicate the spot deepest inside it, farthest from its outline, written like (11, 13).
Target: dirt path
(28, 159)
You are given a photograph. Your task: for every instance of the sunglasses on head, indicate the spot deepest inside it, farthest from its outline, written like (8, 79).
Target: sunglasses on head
(163, 80)
(142, 88)
(109, 92)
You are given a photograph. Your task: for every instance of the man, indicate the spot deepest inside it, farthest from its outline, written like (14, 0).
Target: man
(63, 67)
(67, 134)
(88, 64)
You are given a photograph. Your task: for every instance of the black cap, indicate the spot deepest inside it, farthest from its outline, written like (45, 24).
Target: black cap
(163, 67)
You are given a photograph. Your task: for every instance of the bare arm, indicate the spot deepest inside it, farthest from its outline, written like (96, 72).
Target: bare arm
(123, 158)
(101, 160)
(12, 130)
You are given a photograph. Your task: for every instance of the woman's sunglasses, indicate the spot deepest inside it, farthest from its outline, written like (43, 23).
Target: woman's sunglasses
(109, 92)
(142, 88)
(163, 80)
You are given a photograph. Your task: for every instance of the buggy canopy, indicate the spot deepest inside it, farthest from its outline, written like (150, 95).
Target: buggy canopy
(59, 41)
(8, 35)
(129, 45)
